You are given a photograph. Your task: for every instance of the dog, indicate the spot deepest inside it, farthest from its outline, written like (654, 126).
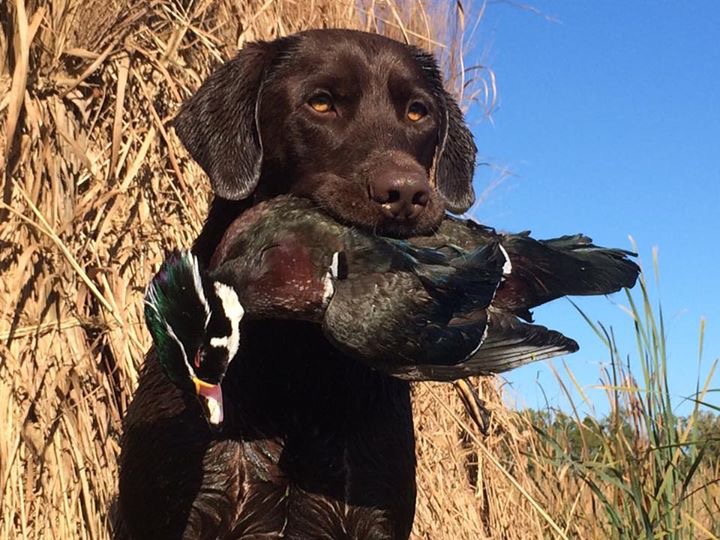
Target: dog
(315, 445)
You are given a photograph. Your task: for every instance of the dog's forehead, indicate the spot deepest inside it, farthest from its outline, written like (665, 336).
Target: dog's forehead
(352, 55)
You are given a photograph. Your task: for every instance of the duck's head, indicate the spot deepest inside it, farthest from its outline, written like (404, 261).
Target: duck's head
(195, 326)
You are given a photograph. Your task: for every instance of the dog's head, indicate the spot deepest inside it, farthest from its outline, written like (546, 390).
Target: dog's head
(357, 122)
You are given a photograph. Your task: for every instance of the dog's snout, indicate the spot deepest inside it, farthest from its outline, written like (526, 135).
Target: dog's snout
(401, 194)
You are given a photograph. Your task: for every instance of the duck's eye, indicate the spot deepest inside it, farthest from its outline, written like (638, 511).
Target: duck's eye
(321, 103)
(416, 111)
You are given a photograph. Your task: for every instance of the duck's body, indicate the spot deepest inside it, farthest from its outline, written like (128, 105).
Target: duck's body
(441, 307)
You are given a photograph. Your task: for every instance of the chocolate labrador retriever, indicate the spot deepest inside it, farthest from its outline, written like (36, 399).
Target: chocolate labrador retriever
(315, 445)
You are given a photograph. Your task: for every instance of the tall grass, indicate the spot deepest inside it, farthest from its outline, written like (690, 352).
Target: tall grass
(642, 471)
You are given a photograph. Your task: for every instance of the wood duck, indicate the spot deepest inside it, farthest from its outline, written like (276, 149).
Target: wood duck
(440, 307)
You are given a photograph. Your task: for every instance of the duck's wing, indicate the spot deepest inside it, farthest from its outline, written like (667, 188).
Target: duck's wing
(417, 312)
(393, 324)
(460, 281)
(507, 344)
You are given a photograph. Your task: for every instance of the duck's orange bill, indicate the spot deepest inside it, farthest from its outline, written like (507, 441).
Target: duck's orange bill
(212, 401)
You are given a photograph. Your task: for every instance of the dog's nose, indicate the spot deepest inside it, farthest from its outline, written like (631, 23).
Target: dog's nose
(402, 195)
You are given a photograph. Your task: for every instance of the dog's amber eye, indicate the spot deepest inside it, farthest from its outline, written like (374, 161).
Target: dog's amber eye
(416, 111)
(321, 103)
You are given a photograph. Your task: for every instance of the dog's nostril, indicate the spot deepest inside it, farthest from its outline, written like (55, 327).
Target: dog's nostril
(421, 198)
(393, 196)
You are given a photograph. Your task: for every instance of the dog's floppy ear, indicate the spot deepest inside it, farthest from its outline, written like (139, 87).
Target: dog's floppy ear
(455, 159)
(218, 125)
(455, 150)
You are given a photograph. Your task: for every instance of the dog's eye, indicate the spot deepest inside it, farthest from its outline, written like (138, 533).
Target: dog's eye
(416, 111)
(321, 103)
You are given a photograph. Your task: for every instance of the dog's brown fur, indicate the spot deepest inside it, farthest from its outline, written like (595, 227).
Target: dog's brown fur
(315, 445)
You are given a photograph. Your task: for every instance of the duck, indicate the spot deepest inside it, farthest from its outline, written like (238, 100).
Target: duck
(442, 307)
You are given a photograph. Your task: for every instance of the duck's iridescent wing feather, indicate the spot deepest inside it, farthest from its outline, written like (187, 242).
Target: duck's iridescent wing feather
(509, 343)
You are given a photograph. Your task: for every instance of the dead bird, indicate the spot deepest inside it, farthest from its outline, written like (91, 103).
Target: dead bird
(438, 307)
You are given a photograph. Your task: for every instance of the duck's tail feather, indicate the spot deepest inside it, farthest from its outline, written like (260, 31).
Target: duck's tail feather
(543, 270)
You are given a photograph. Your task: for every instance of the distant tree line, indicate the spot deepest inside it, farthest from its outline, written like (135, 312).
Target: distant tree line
(589, 438)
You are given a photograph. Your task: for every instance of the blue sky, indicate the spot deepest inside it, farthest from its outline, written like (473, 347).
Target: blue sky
(608, 117)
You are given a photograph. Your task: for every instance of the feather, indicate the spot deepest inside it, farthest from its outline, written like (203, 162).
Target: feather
(544, 270)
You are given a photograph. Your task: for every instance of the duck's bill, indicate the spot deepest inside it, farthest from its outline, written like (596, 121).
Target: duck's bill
(211, 399)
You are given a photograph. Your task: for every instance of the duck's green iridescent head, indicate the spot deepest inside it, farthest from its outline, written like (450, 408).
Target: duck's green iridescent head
(195, 326)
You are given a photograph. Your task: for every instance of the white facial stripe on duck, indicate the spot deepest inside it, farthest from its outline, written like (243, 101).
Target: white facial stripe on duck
(234, 312)
(197, 281)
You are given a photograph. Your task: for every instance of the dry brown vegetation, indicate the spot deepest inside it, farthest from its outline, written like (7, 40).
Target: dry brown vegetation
(95, 188)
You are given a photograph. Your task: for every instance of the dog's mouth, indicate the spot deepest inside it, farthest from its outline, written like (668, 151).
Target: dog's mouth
(352, 203)
(405, 229)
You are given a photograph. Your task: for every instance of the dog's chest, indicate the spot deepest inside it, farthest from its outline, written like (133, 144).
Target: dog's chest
(275, 505)
(328, 451)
